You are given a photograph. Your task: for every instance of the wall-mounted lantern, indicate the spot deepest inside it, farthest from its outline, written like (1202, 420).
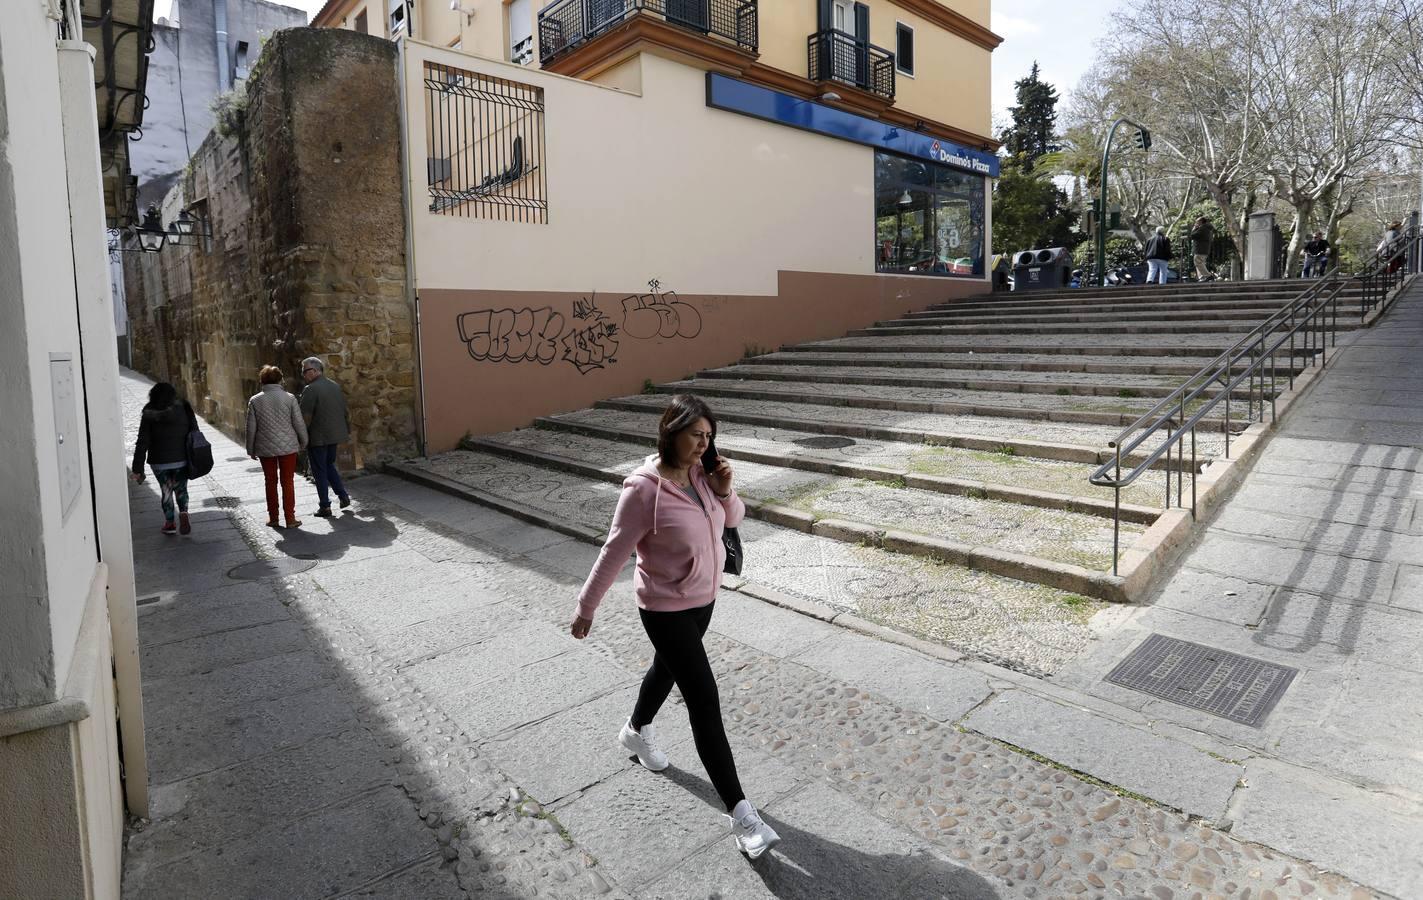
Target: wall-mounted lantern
(151, 234)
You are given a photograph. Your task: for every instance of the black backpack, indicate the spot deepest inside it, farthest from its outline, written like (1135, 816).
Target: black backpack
(199, 450)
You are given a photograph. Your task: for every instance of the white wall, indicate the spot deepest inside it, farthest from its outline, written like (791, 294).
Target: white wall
(657, 185)
(52, 556)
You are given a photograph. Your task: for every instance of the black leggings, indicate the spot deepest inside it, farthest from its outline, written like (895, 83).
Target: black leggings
(681, 658)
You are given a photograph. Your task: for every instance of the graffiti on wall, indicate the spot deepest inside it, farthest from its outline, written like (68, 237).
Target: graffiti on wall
(588, 340)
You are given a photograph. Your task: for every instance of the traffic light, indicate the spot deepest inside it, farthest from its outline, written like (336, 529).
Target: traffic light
(1094, 216)
(1142, 139)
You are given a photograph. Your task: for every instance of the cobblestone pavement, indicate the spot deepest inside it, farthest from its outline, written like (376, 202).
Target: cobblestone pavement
(408, 718)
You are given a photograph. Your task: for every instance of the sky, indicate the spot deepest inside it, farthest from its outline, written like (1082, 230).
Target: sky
(1059, 34)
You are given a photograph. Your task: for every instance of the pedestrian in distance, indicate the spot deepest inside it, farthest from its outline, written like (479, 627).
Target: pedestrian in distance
(323, 405)
(1391, 235)
(275, 432)
(1316, 256)
(672, 511)
(1202, 234)
(1158, 256)
(163, 443)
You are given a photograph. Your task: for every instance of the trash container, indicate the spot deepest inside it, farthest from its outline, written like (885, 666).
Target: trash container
(1042, 270)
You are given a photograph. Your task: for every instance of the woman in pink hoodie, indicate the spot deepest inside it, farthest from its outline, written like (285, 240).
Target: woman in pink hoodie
(672, 510)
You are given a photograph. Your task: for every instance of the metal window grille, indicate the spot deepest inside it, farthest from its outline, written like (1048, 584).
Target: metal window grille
(484, 146)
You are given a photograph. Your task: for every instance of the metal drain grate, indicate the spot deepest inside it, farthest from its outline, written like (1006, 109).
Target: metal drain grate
(1239, 688)
(270, 568)
(825, 443)
(151, 598)
(225, 502)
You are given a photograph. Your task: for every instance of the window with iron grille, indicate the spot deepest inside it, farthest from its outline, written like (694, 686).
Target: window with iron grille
(484, 146)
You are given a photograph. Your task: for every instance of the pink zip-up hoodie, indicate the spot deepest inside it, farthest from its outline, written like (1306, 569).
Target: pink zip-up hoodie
(678, 542)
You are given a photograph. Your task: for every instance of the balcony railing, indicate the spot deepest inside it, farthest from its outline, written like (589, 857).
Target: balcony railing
(570, 24)
(837, 56)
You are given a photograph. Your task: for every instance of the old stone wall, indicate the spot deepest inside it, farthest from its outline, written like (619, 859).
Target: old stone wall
(301, 189)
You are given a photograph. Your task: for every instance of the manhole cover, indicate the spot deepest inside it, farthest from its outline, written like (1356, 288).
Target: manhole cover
(224, 502)
(825, 443)
(1228, 685)
(270, 568)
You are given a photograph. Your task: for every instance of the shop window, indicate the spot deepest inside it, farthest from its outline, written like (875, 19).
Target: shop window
(928, 218)
(904, 49)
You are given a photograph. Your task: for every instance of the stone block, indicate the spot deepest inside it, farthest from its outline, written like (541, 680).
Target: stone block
(323, 854)
(204, 653)
(941, 690)
(534, 692)
(1170, 772)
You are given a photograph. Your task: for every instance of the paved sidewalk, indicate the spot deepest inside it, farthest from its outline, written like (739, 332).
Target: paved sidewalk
(408, 718)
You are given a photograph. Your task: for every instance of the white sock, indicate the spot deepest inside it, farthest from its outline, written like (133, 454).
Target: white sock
(742, 809)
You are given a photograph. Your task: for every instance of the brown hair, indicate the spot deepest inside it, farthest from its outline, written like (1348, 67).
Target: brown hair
(270, 375)
(682, 413)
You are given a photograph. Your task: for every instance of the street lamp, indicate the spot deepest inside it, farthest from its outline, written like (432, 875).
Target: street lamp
(150, 233)
(181, 227)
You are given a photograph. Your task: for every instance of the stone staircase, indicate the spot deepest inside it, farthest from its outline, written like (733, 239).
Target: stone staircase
(927, 474)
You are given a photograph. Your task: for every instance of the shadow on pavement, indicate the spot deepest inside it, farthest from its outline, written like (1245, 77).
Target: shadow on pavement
(349, 530)
(807, 865)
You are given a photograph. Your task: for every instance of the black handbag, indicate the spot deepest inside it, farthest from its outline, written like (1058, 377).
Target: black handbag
(732, 540)
(199, 451)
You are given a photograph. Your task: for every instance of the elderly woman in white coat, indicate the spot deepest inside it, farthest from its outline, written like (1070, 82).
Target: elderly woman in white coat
(275, 432)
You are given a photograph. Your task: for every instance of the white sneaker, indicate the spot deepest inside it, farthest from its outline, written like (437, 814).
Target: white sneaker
(753, 836)
(644, 744)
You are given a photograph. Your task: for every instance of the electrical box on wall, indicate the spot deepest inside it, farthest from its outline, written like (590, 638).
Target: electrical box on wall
(66, 430)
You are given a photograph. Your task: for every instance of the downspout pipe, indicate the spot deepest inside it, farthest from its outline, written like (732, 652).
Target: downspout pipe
(224, 74)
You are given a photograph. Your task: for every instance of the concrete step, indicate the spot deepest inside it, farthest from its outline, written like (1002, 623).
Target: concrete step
(951, 470)
(797, 499)
(1179, 367)
(1055, 383)
(1208, 345)
(977, 613)
(1278, 286)
(1253, 314)
(990, 404)
(953, 310)
(1064, 441)
(1095, 329)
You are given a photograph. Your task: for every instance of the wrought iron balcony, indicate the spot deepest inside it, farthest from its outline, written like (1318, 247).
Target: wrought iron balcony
(837, 56)
(567, 25)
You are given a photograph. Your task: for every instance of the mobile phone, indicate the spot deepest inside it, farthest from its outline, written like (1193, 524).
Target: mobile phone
(709, 458)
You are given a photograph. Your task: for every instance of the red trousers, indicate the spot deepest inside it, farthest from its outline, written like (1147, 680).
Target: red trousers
(272, 466)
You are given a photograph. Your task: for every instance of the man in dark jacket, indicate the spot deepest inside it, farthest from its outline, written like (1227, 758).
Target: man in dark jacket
(1158, 256)
(1202, 234)
(163, 444)
(1316, 256)
(328, 425)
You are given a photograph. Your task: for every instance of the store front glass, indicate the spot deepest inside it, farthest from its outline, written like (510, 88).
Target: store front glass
(928, 218)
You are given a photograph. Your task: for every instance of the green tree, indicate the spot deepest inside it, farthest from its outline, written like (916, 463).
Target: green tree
(1030, 212)
(1034, 121)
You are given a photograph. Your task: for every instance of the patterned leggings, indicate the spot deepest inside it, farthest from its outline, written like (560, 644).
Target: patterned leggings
(173, 485)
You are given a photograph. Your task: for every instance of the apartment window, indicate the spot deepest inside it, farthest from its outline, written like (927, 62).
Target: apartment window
(904, 49)
(362, 24)
(521, 32)
(399, 16)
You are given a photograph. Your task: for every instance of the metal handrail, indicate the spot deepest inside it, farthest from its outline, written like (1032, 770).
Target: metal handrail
(841, 56)
(1304, 312)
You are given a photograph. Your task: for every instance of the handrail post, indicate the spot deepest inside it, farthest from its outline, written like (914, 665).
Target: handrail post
(1117, 510)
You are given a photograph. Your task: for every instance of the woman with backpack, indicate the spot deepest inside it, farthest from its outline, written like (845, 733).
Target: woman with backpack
(275, 432)
(163, 443)
(673, 510)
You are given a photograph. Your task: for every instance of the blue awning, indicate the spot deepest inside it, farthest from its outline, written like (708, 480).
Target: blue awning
(760, 102)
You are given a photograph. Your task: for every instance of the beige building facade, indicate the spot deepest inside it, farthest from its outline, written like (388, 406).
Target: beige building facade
(670, 185)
